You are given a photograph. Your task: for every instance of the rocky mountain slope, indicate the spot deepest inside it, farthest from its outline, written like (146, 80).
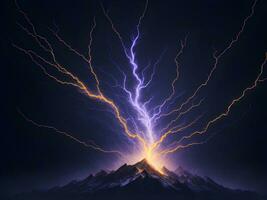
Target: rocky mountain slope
(141, 181)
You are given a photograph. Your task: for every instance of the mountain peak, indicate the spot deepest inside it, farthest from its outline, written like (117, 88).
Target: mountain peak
(144, 165)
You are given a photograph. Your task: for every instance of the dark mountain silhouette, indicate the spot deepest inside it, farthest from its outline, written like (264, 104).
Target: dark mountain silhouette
(141, 181)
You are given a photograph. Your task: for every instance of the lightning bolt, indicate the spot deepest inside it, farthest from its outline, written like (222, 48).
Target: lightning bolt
(143, 124)
(134, 97)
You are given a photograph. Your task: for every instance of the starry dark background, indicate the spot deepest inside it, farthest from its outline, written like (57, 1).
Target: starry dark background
(35, 158)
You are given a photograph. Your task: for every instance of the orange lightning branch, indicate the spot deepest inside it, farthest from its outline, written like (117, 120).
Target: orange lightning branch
(222, 115)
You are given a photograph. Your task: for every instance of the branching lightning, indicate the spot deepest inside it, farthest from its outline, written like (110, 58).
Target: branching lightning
(222, 115)
(144, 122)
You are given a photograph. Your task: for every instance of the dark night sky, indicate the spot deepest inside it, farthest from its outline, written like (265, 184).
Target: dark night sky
(38, 158)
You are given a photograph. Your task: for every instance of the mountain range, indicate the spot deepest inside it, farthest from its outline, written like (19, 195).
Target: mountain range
(141, 181)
